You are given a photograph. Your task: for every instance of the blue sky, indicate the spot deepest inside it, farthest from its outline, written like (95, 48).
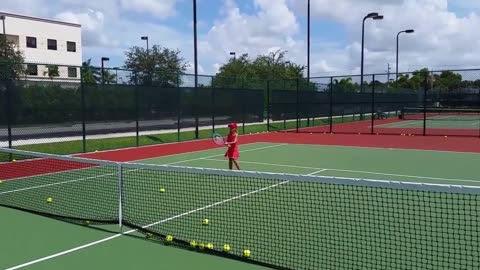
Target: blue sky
(261, 26)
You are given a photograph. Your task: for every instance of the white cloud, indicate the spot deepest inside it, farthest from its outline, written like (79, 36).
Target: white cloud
(160, 8)
(92, 22)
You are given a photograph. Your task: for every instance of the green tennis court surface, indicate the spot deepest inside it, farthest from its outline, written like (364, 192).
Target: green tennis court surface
(241, 206)
(443, 123)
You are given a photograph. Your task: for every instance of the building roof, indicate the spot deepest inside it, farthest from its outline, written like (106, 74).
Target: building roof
(38, 19)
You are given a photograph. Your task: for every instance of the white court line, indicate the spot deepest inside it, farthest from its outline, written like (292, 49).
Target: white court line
(475, 123)
(354, 171)
(217, 155)
(144, 227)
(132, 170)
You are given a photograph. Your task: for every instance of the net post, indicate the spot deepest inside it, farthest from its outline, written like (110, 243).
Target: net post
(120, 196)
(331, 104)
(373, 105)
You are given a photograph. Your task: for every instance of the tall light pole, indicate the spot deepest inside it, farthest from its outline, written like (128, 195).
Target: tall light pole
(103, 73)
(409, 31)
(308, 43)
(148, 58)
(2, 17)
(374, 16)
(195, 57)
(234, 54)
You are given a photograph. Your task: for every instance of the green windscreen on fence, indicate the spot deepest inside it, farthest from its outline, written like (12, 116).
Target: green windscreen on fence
(278, 220)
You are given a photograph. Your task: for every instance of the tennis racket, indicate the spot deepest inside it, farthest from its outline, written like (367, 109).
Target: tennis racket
(218, 139)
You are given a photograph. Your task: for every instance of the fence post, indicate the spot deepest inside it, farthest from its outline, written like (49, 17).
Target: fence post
(213, 109)
(425, 104)
(83, 108)
(331, 104)
(179, 106)
(8, 86)
(268, 105)
(373, 104)
(298, 106)
(137, 115)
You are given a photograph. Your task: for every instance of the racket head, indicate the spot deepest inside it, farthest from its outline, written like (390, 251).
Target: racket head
(218, 139)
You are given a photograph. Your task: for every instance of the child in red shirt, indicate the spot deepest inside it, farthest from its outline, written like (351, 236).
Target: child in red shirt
(232, 143)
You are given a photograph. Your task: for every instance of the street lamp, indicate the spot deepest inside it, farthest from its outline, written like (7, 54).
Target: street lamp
(148, 58)
(409, 31)
(103, 74)
(375, 16)
(2, 17)
(234, 54)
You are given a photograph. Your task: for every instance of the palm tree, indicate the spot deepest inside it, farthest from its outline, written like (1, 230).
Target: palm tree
(90, 74)
(109, 77)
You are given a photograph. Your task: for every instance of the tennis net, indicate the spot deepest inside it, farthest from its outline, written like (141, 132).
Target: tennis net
(285, 221)
(447, 114)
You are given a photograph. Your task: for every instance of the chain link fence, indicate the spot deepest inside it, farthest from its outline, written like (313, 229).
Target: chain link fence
(64, 111)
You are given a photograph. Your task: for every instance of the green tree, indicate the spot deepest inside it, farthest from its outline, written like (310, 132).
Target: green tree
(90, 75)
(244, 72)
(11, 60)
(448, 80)
(344, 85)
(159, 66)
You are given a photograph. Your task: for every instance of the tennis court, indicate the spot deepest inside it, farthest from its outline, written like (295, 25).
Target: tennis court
(279, 211)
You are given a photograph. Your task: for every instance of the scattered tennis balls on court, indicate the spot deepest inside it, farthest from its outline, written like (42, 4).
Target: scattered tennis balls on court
(162, 190)
(193, 244)
(246, 253)
(201, 246)
(205, 221)
(169, 238)
(210, 246)
(96, 151)
(87, 222)
(14, 160)
(149, 235)
(226, 248)
(49, 200)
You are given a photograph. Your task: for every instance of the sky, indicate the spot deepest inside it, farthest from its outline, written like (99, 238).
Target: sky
(446, 31)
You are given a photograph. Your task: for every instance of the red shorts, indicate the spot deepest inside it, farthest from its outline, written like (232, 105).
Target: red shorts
(232, 152)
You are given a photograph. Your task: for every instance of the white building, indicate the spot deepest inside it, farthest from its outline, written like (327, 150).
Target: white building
(46, 43)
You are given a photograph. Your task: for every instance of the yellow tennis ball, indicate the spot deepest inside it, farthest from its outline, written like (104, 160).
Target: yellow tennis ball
(149, 235)
(1, 181)
(162, 190)
(49, 200)
(201, 246)
(246, 253)
(87, 222)
(14, 160)
(210, 246)
(193, 244)
(205, 221)
(226, 248)
(96, 151)
(169, 238)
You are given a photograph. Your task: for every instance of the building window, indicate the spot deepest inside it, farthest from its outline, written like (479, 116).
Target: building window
(31, 42)
(32, 70)
(52, 44)
(71, 46)
(72, 72)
